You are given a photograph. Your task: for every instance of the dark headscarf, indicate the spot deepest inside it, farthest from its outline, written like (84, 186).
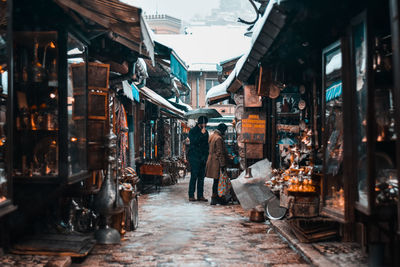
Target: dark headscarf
(222, 128)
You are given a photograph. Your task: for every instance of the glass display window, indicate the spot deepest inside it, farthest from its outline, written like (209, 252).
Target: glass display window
(50, 98)
(77, 106)
(375, 134)
(36, 112)
(359, 48)
(334, 182)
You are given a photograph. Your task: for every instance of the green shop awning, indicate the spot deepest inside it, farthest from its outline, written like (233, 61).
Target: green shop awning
(178, 68)
(131, 91)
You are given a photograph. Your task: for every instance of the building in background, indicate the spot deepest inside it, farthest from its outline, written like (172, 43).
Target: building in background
(202, 48)
(201, 78)
(164, 24)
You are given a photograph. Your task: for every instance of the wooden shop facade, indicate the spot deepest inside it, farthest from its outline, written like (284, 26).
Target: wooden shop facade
(72, 107)
(318, 92)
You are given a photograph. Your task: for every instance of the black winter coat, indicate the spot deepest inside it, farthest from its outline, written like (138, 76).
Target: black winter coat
(198, 148)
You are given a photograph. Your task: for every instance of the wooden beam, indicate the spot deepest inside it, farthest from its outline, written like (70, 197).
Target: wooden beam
(84, 12)
(102, 20)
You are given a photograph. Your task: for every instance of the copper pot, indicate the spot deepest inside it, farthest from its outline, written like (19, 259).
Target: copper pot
(257, 216)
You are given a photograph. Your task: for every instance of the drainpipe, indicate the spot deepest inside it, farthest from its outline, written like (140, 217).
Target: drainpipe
(197, 91)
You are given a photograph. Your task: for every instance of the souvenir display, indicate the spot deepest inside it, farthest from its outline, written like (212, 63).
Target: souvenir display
(302, 104)
(238, 127)
(238, 98)
(387, 187)
(274, 92)
(288, 103)
(239, 110)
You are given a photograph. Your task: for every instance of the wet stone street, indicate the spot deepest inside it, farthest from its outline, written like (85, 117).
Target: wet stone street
(175, 232)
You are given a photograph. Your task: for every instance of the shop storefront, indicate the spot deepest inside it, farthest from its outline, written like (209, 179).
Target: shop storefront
(66, 125)
(162, 154)
(328, 101)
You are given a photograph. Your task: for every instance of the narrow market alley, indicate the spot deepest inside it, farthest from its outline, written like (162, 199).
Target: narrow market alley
(127, 125)
(175, 232)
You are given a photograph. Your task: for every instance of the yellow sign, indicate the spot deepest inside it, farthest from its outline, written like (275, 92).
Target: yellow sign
(253, 129)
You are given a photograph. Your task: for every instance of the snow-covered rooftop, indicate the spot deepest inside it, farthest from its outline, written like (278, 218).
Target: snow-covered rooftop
(207, 44)
(221, 89)
(159, 100)
(180, 102)
(204, 67)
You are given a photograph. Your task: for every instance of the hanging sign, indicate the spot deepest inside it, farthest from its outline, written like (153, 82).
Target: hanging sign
(251, 97)
(253, 128)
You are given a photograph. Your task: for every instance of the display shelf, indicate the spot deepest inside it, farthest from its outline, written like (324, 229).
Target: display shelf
(335, 202)
(376, 175)
(49, 123)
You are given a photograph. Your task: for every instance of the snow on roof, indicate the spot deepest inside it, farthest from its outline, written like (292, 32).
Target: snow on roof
(230, 59)
(180, 102)
(256, 32)
(204, 67)
(161, 101)
(260, 23)
(221, 89)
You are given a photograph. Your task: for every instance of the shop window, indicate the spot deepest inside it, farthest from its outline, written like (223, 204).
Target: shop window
(211, 83)
(76, 106)
(334, 201)
(36, 143)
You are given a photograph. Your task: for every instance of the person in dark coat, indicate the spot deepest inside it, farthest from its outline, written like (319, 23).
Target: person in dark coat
(216, 162)
(198, 152)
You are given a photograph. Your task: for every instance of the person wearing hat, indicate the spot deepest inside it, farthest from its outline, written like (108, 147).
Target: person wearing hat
(197, 155)
(216, 161)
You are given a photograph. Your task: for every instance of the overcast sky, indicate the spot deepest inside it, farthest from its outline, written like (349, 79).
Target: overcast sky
(206, 44)
(183, 9)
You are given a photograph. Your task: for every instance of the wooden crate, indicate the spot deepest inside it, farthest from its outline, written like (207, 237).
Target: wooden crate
(151, 169)
(303, 205)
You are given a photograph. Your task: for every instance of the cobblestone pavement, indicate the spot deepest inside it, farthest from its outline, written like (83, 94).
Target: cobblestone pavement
(175, 232)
